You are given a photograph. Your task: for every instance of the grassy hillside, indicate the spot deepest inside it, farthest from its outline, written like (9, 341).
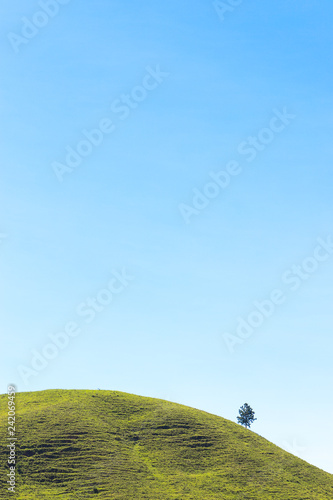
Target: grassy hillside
(112, 445)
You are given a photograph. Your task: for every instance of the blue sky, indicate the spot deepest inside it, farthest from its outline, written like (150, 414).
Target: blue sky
(218, 84)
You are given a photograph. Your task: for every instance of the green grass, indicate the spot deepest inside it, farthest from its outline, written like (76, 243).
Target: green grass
(133, 448)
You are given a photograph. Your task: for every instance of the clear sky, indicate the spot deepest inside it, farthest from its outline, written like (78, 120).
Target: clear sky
(167, 170)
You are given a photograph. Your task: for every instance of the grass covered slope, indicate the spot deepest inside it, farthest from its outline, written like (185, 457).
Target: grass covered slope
(112, 445)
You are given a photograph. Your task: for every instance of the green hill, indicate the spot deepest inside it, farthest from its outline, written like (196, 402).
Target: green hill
(112, 445)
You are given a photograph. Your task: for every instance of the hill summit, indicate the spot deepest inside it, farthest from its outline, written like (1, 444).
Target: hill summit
(113, 445)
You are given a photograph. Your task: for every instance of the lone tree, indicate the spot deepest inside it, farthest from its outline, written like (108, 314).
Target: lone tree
(246, 416)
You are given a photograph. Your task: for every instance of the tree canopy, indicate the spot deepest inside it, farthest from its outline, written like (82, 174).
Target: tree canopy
(246, 416)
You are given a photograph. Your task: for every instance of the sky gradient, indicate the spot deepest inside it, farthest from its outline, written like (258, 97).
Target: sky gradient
(116, 118)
